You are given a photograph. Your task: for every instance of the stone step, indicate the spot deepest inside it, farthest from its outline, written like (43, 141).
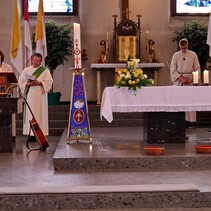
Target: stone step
(130, 197)
(59, 115)
(92, 115)
(66, 108)
(56, 127)
(125, 151)
(93, 123)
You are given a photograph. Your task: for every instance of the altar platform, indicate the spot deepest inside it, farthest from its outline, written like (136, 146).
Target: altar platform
(29, 181)
(123, 149)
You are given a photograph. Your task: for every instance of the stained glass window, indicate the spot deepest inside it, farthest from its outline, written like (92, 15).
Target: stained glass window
(53, 6)
(190, 7)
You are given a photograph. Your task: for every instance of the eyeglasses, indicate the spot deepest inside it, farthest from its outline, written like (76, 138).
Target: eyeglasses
(36, 60)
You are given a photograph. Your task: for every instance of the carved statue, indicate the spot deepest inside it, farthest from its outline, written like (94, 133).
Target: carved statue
(103, 52)
(150, 49)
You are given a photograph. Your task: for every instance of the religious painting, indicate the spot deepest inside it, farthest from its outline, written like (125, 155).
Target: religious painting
(127, 41)
(127, 46)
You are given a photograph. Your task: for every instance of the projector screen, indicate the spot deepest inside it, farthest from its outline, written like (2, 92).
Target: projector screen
(53, 6)
(191, 7)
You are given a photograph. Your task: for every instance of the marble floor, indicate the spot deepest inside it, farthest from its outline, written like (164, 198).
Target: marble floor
(35, 169)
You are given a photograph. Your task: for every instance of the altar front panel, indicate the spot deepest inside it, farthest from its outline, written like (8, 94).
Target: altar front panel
(164, 127)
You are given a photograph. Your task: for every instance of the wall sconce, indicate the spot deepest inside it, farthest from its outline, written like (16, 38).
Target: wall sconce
(84, 55)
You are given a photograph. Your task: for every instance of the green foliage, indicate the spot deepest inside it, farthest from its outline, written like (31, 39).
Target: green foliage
(59, 44)
(196, 33)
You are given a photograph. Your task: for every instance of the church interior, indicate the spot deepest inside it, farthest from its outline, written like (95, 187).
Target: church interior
(111, 170)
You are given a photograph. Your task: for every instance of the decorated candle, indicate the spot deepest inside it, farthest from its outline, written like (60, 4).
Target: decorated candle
(77, 45)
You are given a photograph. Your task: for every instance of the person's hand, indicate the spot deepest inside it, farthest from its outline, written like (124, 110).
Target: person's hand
(190, 81)
(183, 80)
(34, 83)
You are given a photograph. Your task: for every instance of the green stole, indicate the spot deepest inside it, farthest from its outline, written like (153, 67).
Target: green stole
(36, 74)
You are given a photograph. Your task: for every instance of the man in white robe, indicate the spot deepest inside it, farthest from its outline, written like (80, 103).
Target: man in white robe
(35, 82)
(183, 64)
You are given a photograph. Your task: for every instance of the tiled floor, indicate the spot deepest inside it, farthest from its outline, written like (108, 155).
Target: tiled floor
(24, 169)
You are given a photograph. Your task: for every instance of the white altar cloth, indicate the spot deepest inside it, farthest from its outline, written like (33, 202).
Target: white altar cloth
(155, 99)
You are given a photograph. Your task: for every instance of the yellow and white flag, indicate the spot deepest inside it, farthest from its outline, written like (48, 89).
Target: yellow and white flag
(209, 35)
(16, 44)
(40, 38)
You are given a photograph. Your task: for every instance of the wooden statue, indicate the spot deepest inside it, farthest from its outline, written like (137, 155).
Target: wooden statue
(103, 52)
(150, 49)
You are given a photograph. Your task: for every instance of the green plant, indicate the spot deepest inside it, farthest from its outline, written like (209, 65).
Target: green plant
(59, 44)
(196, 33)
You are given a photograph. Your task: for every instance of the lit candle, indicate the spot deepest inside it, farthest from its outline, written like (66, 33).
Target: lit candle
(206, 77)
(147, 34)
(195, 77)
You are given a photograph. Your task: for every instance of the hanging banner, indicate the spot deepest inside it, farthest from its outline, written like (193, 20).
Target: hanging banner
(78, 126)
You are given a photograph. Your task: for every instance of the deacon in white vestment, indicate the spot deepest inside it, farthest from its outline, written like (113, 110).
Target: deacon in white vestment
(183, 64)
(35, 82)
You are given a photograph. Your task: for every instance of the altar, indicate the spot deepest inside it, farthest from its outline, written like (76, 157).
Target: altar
(154, 67)
(166, 105)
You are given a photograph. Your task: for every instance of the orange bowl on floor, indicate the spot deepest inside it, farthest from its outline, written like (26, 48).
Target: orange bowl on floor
(154, 150)
(203, 148)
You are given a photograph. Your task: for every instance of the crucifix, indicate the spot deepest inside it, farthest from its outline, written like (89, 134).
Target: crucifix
(125, 9)
(139, 22)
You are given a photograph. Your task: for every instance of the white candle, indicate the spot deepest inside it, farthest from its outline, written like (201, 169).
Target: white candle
(196, 77)
(77, 45)
(147, 35)
(206, 77)
(107, 36)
